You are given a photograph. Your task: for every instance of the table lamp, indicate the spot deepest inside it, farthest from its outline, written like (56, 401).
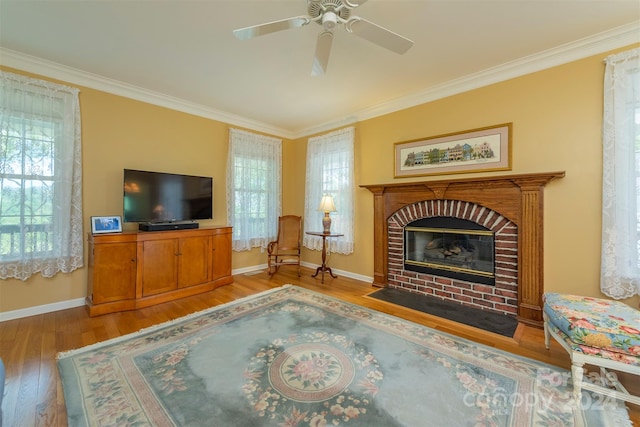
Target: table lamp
(326, 206)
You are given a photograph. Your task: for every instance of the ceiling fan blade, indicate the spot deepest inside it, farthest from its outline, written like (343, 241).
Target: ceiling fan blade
(270, 27)
(354, 3)
(378, 35)
(321, 58)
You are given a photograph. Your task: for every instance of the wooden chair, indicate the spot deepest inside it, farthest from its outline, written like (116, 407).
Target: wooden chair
(286, 249)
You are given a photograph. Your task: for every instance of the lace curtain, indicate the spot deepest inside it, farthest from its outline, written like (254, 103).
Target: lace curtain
(254, 170)
(40, 178)
(620, 268)
(330, 171)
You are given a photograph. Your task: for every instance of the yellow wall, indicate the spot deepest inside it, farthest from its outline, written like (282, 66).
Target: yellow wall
(120, 133)
(557, 123)
(556, 116)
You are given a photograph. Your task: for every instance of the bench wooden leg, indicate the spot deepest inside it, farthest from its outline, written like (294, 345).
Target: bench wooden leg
(547, 336)
(577, 375)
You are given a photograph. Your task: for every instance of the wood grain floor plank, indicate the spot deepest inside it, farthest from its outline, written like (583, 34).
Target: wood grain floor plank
(46, 410)
(28, 346)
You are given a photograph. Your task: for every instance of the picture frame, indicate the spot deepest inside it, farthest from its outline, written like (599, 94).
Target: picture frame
(106, 224)
(476, 150)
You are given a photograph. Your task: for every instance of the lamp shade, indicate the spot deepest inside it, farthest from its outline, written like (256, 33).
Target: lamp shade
(327, 205)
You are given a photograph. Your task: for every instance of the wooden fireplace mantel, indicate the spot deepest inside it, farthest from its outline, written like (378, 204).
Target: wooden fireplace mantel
(518, 198)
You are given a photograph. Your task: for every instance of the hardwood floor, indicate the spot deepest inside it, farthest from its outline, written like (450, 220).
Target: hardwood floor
(28, 346)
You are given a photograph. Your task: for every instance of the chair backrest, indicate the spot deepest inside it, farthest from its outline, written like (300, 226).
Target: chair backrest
(289, 227)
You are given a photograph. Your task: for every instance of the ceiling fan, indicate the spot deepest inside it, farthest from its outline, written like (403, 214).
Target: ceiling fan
(330, 13)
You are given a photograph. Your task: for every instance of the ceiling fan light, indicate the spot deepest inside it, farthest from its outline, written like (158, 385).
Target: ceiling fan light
(329, 20)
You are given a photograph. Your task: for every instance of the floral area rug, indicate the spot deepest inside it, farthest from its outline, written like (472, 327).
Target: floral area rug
(292, 357)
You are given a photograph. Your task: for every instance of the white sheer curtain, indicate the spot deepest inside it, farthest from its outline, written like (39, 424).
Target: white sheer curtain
(40, 178)
(254, 170)
(620, 265)
(330, 171)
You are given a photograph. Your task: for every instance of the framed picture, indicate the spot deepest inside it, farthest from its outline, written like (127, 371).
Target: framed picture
(476, 150)
(106, 224)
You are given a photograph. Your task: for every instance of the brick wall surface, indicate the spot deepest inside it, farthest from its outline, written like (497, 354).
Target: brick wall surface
(501, 298)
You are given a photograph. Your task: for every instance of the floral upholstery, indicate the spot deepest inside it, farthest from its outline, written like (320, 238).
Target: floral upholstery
(594, 326)
(598, 352)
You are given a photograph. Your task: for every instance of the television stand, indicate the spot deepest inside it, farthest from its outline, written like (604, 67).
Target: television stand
(136, 269)
(164, 226)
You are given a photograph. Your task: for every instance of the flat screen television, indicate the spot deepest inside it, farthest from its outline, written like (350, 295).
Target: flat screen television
(156, 197)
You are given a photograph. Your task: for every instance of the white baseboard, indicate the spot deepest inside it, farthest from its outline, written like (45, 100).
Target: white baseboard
(253, 268)
(344, 273)
(256, 268)
(79, 302)
(41, 309)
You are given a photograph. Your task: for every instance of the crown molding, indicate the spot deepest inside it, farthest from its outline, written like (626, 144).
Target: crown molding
(74, 76)
(593, 45)
(588, 46)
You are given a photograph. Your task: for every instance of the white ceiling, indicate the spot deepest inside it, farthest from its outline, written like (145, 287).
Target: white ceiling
(182, 53)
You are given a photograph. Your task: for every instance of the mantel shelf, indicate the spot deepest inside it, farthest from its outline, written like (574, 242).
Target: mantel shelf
(520, 180)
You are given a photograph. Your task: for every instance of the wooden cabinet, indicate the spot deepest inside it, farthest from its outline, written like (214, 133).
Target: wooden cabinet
(115, 277)
(194, 254)
(159, 266)
(138, 269)
(221, 251)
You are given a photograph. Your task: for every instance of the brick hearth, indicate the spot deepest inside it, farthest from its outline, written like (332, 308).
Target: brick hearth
(501, 298)
(511, 205)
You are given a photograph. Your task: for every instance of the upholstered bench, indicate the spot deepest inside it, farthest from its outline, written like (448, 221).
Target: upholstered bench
(597, 332)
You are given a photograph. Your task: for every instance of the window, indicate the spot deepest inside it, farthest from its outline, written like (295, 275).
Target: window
(40, 178)
(253, 188)
(620, 265)
(330, 171)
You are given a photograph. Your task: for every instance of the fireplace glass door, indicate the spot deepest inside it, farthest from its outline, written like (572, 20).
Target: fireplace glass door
(464, 254)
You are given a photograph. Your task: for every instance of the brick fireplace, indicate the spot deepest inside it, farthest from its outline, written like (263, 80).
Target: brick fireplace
(502, 297)
(510, 206)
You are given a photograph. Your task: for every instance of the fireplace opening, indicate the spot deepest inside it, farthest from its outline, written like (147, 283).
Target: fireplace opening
(450, 247)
